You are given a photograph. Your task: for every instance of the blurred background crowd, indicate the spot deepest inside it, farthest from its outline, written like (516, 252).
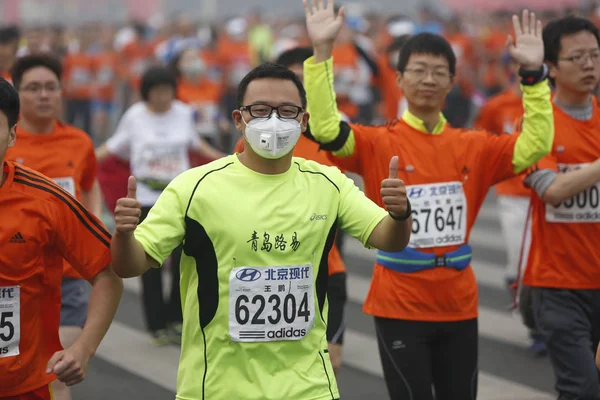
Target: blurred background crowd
(106, 47)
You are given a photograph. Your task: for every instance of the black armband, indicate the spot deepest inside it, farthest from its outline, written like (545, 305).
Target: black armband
(529, 78)
(406, 216)
(340, 140)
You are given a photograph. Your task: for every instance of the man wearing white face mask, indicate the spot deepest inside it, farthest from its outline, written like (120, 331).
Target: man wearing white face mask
(256, 229)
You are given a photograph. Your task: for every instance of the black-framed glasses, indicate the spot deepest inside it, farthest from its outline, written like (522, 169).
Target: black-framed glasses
(265, 111)
(37, 88)
(581, 59)
(421, 73)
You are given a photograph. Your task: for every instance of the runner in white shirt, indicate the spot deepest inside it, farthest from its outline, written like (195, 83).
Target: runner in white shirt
(156, 136)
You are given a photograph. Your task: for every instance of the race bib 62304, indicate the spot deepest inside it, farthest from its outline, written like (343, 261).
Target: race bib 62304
(581, 208)
(439, 214)
(10, 320)
(269, 304)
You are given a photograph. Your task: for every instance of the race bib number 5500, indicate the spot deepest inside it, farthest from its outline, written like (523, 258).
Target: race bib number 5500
(10, 322)
(581, 208)
(269, 304)
(439, 214)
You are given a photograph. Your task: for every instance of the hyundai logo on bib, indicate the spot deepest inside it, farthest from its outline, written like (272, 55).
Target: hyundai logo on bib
(416, 192)
(248, 275)
(444, 189)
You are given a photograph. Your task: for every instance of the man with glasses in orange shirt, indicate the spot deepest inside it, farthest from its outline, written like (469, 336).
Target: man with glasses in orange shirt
(66, 155)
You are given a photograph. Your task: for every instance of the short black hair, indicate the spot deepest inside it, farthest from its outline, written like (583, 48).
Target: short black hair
(398, 43)
(427, 43)
(294, 56)
(9, 34)
(557, 29)
(156, 76)
(24, 64)
(270, 70)
(9, 102)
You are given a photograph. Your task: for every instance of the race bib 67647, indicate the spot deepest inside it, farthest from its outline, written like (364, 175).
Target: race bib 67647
(439, 214)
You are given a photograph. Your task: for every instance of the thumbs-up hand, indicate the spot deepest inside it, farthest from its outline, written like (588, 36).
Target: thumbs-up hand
(393, 192)
(128, 209)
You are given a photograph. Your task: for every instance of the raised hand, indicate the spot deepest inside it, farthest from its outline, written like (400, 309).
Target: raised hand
(128, 209)
(393, 192)
(527, 47)
(322, 23)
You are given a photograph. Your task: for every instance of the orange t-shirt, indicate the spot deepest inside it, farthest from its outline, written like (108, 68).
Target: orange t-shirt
(41, 227)
(238, 59)
(564, 249)
(105, 79)
(205, 99)
(78, 76)
(306, 148)
(134, 59)
(473, 160)
(65, 155)
(499, 115)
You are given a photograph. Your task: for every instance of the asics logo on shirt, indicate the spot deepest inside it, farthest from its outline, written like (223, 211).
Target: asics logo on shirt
(248, 275)
(316, 217)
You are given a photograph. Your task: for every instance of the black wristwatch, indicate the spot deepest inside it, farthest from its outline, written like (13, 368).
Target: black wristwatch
(529, 77)
(404, 217)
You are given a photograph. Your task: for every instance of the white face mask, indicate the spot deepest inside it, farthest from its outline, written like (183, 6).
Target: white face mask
(272, 137)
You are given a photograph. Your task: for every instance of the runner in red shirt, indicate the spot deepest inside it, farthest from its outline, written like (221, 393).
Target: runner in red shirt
(564, 259)
(43, 225)
(66, 155)
(424, 299)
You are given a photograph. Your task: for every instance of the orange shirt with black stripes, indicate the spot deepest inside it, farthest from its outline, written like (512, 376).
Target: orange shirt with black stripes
(42, 225)
(66, 155)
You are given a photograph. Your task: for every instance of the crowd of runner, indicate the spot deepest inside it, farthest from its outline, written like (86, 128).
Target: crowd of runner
(221, 154)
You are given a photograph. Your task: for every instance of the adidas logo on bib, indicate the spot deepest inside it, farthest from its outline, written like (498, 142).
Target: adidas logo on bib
(286, 333)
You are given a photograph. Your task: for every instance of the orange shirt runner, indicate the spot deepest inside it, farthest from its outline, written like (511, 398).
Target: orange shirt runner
(466, 165)
(564, 247)
(66, 155)
(499, 115)
(105, 65)
(306, 148)
(78, 76)
(41, 227)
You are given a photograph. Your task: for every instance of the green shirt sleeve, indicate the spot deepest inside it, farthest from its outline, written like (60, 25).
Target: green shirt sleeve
(322, 105)
(357, 214)
(537, 134)
(164, 227)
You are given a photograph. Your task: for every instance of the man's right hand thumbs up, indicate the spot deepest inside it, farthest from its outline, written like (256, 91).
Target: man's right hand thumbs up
(128, 209)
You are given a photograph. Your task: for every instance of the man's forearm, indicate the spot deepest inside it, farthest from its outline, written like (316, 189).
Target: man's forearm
(570, 184)
(128, 256)
(390, 235)
(107, 289)
(537, 133)
(325, 119)
(323, 52)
